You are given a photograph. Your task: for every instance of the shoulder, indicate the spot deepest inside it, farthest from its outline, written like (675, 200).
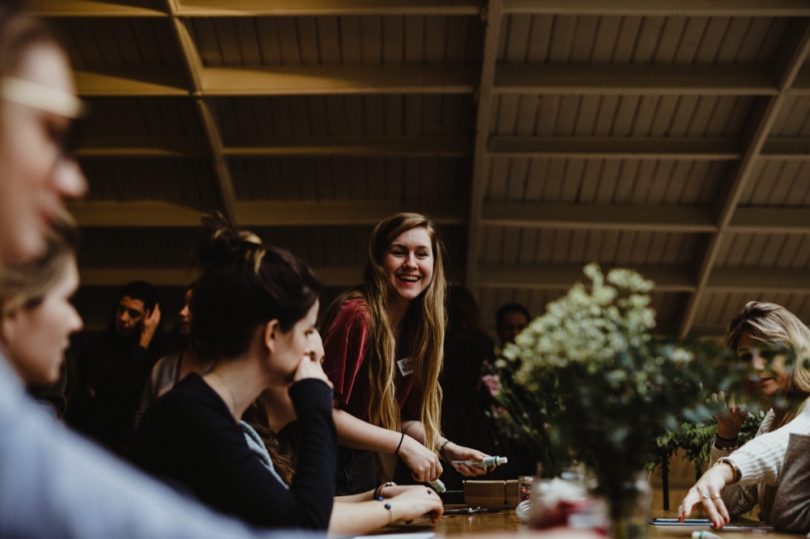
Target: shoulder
(353, 311)
(190, 398)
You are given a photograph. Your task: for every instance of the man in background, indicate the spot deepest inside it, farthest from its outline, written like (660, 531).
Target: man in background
(510, 320)
(114, 368)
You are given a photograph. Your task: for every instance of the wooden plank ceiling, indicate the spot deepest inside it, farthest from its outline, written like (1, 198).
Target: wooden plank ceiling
(673, 137)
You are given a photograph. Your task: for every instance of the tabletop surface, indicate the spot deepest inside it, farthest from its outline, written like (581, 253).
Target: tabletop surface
(507, 521)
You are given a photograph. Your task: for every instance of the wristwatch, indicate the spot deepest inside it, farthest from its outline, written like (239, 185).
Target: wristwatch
(725, 443)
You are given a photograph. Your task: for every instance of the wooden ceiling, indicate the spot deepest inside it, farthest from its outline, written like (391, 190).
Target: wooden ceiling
(672, 136)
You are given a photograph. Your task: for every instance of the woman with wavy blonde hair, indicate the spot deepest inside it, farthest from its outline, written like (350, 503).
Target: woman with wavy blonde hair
(384, 353)
(741, 478)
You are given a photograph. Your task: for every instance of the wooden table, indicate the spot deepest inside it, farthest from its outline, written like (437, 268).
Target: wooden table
(506, 522)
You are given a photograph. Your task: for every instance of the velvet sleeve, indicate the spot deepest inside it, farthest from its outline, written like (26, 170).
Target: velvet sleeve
(346, 346)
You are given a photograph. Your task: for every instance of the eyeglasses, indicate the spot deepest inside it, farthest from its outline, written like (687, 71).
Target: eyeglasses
(34, 95)
(43, 98)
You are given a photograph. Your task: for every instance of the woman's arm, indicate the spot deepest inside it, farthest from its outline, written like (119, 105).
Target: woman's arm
(449, 450)
(761, 459)
(408, 503)
(707, 492)
(356, 433)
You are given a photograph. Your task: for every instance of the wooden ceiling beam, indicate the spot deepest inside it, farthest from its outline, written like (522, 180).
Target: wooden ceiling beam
(785, 149)
(670, 279)
(563, 276)
(131, 82)
(181, 277)
(779, 149)
(92, 8)
(791, 59)
(493, 21)
(773, 280)
(641, 217)
(341, 212)
(160, 214)
(428, 146)
(327, 80)
(661, 8)
(258, 8)
(134, 213)
(112, 276)
(615, 148)
(194, 67)
(141, 147)
(770, 221)
(634, 79)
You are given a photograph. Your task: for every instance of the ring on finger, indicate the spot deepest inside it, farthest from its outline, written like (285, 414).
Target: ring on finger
(716, 496)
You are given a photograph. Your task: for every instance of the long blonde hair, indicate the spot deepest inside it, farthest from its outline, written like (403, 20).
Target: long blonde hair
(26, 285)
(423, 328)
(772, 323)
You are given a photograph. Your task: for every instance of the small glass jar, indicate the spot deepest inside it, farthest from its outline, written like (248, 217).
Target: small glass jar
(525, 487)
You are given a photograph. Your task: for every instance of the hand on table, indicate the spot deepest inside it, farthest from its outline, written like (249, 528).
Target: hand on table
(413, 501)
(707, 492)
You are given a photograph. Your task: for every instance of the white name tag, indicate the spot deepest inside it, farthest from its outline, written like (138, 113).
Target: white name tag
(405, 366)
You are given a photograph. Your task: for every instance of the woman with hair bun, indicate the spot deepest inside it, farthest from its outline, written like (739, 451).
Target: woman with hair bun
(384, 350)
(254, 312)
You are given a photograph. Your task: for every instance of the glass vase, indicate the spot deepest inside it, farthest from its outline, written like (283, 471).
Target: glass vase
(629, 507)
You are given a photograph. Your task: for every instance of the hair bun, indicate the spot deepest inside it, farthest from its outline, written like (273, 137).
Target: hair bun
(223, 244)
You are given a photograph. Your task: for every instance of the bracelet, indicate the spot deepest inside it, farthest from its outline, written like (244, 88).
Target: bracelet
(402, 438)
(735, 470)
(441, 448)
(390, 513)
(717, 436)
(378, 491)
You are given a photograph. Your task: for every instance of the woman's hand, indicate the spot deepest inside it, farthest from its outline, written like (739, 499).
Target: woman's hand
(423, 463)
(413, 501)
(707, 492)
(310, 368)
(459, 452)
(730, 421)
(149, 326)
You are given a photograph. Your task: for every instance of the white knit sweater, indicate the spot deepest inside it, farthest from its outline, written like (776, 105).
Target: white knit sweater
(761, 459)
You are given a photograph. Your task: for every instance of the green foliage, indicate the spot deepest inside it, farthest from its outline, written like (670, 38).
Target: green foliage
(587, 381)
(695, 439)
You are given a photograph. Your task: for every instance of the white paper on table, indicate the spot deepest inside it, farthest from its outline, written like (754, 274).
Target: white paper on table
(412, 535)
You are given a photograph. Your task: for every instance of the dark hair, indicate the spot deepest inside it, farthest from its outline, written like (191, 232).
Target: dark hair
(463, 313)
(244, 284)
(511, 308)
(140, 290)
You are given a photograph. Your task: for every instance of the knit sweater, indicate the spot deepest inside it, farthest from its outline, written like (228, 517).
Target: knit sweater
(761, 459)
(742, 497)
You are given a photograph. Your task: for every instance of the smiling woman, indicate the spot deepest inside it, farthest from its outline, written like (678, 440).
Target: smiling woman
(384, 352)
(785, 388)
